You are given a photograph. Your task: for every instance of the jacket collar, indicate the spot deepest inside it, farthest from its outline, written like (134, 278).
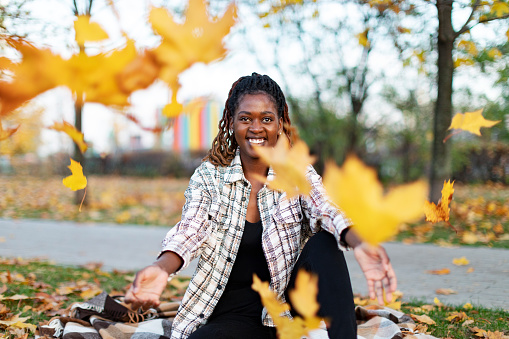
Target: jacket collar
(234, 171)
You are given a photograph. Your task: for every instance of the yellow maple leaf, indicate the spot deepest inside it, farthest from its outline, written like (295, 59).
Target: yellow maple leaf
(303, 298)
(297, 327)
(77, 180)
(269, 299)
(71, 131)
(435, 213)
(88, 31)
(34, 74)
(357, 191)
(289, 164)
(97, 77)
(460, 261)
(5, 133)
(499, 8)
(471, 122)
(198, 39)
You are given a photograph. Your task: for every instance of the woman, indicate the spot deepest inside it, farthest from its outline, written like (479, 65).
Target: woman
(237, 226)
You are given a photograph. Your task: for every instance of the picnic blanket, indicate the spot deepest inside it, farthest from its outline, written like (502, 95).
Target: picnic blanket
(105, 317)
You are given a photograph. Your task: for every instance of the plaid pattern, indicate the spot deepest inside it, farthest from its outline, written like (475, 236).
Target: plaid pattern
(101, 328)
(212, 225)
(385, 323)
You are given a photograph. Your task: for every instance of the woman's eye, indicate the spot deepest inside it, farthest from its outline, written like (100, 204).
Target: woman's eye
(267, 119)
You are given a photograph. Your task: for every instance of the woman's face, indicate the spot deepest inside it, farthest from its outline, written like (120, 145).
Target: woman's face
(255, 122)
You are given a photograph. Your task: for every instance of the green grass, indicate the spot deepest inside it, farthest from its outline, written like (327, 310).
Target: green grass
(487, 319)
(45, 284)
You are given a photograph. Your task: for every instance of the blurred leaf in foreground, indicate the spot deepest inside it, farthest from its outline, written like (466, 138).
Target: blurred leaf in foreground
(289, 164)
(71, 131)
(357, 191)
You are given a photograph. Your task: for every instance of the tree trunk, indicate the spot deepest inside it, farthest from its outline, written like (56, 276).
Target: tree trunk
(78, 156)
(440, 169)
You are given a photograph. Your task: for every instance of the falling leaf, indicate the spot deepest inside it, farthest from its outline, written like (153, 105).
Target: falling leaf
(4, 134)
(423, 319)
(77, 180)
(289, 164)
(460, 261)
(198, 39)
(71, 131)
(287, 328)
(357, 191)
(88, 31)
(435, 213)
(499, 8)
(34, 74)
(471, 122)
(445, 291)
(442, 271)
(304, 295)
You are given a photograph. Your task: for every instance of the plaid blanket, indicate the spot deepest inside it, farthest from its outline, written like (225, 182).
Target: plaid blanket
(104, 317)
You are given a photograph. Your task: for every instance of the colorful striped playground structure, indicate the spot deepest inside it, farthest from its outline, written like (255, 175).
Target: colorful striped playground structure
(196, 128)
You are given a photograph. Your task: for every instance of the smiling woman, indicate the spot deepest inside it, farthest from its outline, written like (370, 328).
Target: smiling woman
(239, 227)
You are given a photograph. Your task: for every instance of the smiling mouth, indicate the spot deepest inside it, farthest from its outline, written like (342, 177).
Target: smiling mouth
(256, 141)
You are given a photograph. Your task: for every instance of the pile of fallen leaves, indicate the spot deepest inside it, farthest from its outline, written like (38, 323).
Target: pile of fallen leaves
(479, 215)
(33, 291)
(110, 199)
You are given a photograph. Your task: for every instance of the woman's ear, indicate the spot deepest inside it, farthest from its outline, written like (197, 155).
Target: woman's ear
(280, 127)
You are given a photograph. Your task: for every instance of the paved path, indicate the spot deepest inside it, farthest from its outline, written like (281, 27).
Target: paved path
(130, 247)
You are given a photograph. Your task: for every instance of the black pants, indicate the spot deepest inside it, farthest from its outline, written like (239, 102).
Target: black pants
(322, 257)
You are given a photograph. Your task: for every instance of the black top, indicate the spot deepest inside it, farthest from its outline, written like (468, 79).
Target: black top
(238, 297)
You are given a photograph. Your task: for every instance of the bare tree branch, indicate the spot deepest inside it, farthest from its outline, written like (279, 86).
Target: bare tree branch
(465, 25)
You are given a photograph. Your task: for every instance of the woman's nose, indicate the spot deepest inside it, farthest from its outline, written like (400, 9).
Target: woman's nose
(256, 126)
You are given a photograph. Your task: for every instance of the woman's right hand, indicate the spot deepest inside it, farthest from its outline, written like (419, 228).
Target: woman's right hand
(147, 287)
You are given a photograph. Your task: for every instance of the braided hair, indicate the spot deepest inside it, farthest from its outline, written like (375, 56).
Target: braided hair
(224, 145)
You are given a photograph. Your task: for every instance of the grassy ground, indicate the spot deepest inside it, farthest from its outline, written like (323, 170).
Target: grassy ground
(32, 292)
(479, 213)
(479, 216)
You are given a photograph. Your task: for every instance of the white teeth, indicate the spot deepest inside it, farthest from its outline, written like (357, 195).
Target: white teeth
(256, 141)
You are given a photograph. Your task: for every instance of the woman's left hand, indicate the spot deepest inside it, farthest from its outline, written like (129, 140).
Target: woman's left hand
(377, 269)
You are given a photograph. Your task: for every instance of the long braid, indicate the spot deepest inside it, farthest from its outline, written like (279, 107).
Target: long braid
(224, 144)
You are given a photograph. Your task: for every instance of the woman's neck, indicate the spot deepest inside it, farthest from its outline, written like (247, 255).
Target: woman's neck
(253, 168)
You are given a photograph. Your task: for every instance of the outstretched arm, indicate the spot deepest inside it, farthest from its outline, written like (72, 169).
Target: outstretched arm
(375, 265)
(150, 282)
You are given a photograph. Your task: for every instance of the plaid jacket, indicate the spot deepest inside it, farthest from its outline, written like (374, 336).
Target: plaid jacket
(211, 228)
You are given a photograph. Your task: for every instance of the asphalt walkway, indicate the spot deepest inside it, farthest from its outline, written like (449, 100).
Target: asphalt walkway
(130, 247)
